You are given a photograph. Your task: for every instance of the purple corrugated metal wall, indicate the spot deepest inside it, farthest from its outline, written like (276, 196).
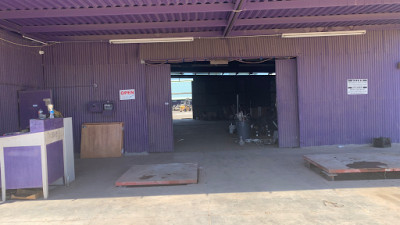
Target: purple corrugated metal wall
(159, 112)
(327, 114)
(20, 69)
(83, 72)
(287, 103)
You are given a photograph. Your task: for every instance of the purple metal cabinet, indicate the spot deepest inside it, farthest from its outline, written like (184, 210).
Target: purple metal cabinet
(159, 112)
(26, 101)
(287, 103)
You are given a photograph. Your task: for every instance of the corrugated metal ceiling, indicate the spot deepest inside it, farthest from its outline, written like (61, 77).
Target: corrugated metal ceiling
(342, 10)
(117, 19)
(141, 31)
(80, 20)
(68, 4)
(331, 24)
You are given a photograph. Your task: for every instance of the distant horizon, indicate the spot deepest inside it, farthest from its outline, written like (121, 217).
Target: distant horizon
(181, 85)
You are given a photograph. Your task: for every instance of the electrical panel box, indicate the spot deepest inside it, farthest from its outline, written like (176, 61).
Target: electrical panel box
(105, 107)
(108, 106)
(95, 107)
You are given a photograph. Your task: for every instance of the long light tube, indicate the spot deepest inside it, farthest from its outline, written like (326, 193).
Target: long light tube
(151, 40)
(32, 39)
(324, 34)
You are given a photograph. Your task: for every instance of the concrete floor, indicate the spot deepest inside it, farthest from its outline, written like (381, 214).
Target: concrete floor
(207, 136)
(253, 184)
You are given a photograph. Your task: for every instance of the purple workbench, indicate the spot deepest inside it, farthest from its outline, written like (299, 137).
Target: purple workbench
(34, 159)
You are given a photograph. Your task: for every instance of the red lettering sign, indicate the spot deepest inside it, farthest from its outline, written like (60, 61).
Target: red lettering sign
(127, 92)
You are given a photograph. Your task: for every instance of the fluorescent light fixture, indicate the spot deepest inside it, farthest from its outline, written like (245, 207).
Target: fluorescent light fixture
(151, 40)
(324, 34)
(31, 39)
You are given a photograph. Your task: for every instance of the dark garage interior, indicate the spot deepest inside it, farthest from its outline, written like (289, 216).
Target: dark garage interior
(223, 91)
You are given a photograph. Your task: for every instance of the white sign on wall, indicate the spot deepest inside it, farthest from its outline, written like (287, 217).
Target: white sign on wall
(357, 86)
(127, 94)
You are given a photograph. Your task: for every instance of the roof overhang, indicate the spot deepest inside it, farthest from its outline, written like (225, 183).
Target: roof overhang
(78, 20)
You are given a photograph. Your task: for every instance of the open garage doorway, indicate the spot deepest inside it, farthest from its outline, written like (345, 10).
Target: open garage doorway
(234, 105)
(181, 92)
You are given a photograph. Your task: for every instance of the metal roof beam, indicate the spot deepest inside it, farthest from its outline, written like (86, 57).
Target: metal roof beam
(123, 26)
(233, 16)
(115, 11)
(208, 23)
(213, 34)
(266, 32)
(10, 26)
(17, 29)
(319, 19)
(102, 38)
(304, 4)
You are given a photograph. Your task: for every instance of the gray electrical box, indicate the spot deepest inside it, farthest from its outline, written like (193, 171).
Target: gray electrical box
(105, 107)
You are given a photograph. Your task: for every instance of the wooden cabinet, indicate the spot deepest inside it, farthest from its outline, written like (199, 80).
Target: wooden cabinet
(102, 140)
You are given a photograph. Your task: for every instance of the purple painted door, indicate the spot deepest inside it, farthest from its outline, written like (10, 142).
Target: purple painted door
(159, 111)
(287, 103)
(29, 104)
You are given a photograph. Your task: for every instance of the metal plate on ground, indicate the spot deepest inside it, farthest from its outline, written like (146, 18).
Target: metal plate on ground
(159, 174)
(355, 162)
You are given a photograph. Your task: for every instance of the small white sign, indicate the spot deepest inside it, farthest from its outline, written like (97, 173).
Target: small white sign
(127, 94)
(357, 86)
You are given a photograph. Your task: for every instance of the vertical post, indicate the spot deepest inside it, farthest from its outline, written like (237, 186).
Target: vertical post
(45, 174)
(3, 175)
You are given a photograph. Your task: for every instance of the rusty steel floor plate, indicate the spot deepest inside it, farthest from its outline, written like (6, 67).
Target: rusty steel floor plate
(355, 162)
(159, 174)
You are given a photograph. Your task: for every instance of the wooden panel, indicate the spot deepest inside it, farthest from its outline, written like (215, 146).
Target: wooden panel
(102, 140)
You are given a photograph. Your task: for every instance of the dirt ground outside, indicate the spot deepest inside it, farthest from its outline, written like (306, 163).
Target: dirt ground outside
(176, 115)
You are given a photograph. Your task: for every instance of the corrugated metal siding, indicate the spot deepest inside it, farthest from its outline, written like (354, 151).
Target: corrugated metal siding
(71, 70)
(390, 58)
(327, 114)
(203, 49)
(20, 69)
(159, 112)
(287, 103)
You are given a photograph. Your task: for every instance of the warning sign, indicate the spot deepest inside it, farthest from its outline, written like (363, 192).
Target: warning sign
(357, 86)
